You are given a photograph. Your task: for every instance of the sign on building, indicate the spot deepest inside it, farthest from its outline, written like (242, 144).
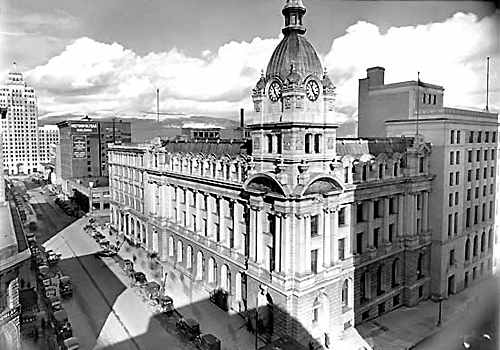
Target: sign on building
(79, 146)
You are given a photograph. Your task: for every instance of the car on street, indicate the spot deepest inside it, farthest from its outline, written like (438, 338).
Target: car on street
(140, 278)
(106, 253)
(127, 265)
(207, 342)
(71, 344)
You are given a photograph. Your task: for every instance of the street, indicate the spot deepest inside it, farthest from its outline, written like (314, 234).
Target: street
(105, 311)
(481, 317)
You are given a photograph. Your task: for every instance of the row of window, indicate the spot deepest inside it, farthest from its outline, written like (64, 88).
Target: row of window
(476, 192)
(478, 155)
(474, 136)
(476, 214)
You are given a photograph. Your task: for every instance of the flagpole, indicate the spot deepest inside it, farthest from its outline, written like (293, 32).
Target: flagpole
(418, 103)
(487, 80)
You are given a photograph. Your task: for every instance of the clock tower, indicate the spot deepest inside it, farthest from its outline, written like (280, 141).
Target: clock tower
(293, 126)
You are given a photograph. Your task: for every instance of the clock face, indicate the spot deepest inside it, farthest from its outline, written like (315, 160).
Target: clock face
(274, 91)
(312, 90)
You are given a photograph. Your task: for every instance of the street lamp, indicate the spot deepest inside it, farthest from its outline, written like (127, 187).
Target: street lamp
(440, 300)
(256, 320)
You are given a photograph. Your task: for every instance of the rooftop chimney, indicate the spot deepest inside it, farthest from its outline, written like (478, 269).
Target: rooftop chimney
(242, 117)
(376, 76)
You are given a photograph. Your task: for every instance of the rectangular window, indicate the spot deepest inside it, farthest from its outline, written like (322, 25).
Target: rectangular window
(479, 136)
(376, 209)
(341, 248)
(456, 198)
(492, 172)
(314, 225)
(486, 136)
(452, 257)
(392, 207)
(490, 214)
(455, 223)
(469, 175)
(491, 189)
(485, 155)
(483, 212)
(359, 212)
(494, 137)
(451, 179)
(484, 190)
(476, 192)
(478, 172)
(471, 136)
(485, 173)
(457, 157)
(421, 164)
(458, 136)
(469, 156)
(478, 155)
(342, 216)
(391, 232)
(467, 217)
(314, 261)
(450, 199)
(450, 224)
(492, 154)
(193, 218)
(205, 227)
(452, 136)
(476, 216)
(457, 178)
(452, 157)
(359, 243)
(375, 237)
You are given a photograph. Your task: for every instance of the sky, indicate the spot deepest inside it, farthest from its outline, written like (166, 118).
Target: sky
(107, 58)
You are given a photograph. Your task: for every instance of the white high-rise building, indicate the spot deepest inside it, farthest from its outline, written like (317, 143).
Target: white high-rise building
(47, 135)
(19, 125)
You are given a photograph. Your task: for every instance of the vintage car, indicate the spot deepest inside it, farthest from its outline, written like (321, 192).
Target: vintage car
(65, 287)
(166, 304)
(55, 303)
(127, 265)
(71, 344)
(63, 327)
(207, 342)
(53, 258)
(189, 328)
(152, 290)
(140, 278)
(51, 291)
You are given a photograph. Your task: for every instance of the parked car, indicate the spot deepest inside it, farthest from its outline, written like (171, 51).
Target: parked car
(140, 279)
(55, 303)
(207, 342)
(71, 344)
(106, 253)
(65, 287)
(189, 328)
(166, 304)
(63, 326)
(152, 290)
(127, 265)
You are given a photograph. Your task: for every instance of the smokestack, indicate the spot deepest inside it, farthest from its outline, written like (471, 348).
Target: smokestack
(242, 117)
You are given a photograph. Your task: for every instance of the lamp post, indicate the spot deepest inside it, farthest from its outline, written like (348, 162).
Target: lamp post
(256, 320)
(440, 300)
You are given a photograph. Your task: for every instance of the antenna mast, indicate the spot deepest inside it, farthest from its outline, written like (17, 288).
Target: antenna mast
(158, 105)
(487, 80)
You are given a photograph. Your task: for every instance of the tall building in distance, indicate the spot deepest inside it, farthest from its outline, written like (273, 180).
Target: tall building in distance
(465, 160)
(84, 145)
(47, 135)
(19, 119)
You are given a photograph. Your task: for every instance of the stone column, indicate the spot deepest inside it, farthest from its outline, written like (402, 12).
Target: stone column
(401, 214)
(386, 219)
(178, 204)
(260, 252)
(237, 226)
(425, 211)
(277, 243)
(307, 231)
(210, 226)
(286, 234)
(335, 236)
(253, 234)
(327, 238)
(199, 220)
(411, 214)
(301, 249)
(222, 221)
(188, 210)
(164, 201)
(371, 244)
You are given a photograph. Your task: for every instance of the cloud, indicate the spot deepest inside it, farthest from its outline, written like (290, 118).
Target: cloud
(90, 77)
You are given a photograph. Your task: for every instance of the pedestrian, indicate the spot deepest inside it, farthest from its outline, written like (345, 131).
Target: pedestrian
(311, 345)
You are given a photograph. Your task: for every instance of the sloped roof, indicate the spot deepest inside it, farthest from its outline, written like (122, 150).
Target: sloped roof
(217, 147)
(374, 146)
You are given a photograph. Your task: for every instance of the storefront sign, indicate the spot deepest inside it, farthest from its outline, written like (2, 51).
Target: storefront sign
(8, 315)
(86, 128)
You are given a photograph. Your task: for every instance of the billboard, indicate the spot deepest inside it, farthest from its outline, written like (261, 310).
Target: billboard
(79, 146)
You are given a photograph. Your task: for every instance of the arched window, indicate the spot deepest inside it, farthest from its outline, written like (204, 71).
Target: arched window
(170, 246)
(420, 266)
(345, 294)
(483, 242)
(395, 169)
(225, 278)
(179, 251)
(380, 171)
(380, 280)
(200, 265)
(395, 273)
(467, 249)
(212, 271)
(474, 252)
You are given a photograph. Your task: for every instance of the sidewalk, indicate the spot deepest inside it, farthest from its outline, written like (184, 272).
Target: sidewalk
(191, 301)
(405, 327)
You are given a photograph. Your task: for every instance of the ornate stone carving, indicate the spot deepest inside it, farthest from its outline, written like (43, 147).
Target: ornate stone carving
(287, 143)
(287, 102)
(330, 142)
(300, 102)
(256, 143)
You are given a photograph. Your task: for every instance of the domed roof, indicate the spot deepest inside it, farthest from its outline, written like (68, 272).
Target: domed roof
(294, 48)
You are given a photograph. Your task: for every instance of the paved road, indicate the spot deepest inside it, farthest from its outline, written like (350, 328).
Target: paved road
(106, 313)
(481, 317)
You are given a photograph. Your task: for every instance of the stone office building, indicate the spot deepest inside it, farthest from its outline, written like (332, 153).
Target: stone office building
(318, 232)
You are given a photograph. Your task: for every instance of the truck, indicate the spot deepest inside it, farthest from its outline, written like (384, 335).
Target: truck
(65, 287)
(62, 324)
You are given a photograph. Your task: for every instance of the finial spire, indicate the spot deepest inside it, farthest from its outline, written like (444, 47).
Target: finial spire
(262, 73)
(14, 65)
(293, 11)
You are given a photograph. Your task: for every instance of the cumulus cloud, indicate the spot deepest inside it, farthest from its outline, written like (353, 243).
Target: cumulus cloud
(90, 77)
